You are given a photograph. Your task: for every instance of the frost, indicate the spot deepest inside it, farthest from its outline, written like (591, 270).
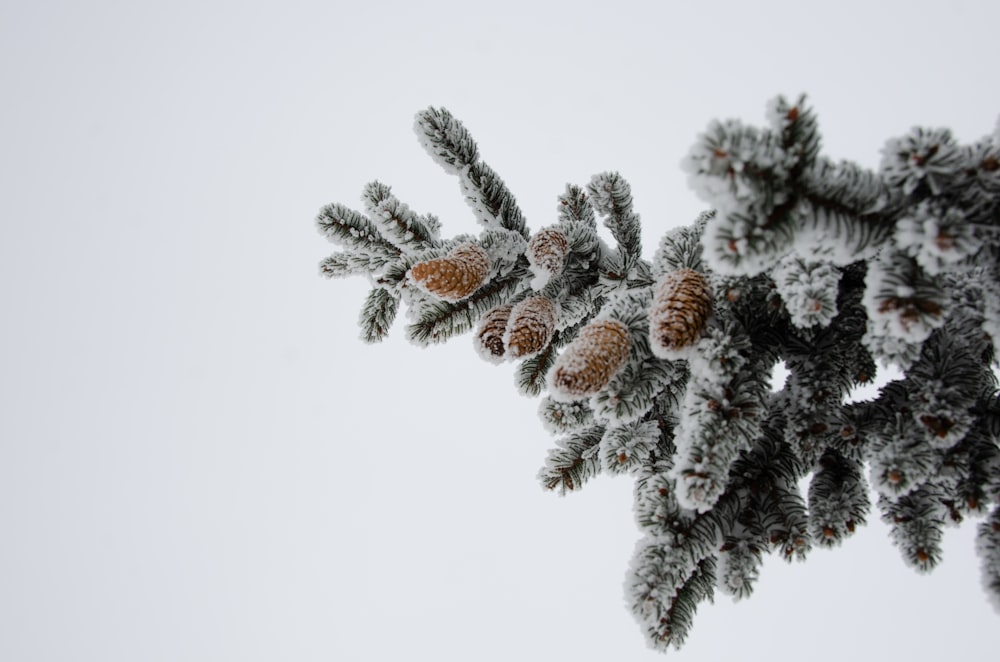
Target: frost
(991, 310)
(625, 448)
(937, 239)
(657, 511)
(445, 139)
(456, 275)
(590, 361)
(632, 392)
(504, 247)
(916, 527)
(923, 157)
(574, 309)
(820, 239)
(719, 417)
(680, 308)
(889, 348)
(900, 463)
(530, 327)
(560, 417)
(736, 242)
(900, 300)
(396, 222)
(738, 569)
(776, 113)
(721, 353)
(988, 547)
(808, 289)
(942, 413)
(680, 248)
(541, 277)
(574, 461)
(489, 339)
(664, 589)
(662, 369)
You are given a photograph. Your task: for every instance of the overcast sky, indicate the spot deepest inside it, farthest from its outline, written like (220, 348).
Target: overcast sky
(199, 460)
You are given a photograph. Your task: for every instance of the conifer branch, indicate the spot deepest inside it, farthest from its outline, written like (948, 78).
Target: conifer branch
(660, 369)
(574, 461)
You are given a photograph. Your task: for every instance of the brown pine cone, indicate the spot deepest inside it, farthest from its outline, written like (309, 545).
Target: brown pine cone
(532, 323)
(546, 253)
(454, 276)
(681, 305)
(489, 338)
(591, 360)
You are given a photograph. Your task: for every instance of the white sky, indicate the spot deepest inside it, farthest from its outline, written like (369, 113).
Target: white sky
(199, 460)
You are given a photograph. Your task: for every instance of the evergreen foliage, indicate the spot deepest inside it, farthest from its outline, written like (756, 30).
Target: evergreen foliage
(660, 369)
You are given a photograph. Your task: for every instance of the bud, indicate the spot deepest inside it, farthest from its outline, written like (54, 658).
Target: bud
(454, 276)
(681, 305)
(489, 338)
(590, 361)
(532, 323)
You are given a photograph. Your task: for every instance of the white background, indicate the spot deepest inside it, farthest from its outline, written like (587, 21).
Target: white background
(199, 460)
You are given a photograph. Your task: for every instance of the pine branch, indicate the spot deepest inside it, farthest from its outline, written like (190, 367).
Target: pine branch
(916, 522)
(612, 197)
(665, 592)
(377, 314)
(574, 461)
(350, 229)
(660, 370)
(396, 222)
(988, 546)
(531, 373)
(451, 145)
(575, 207)
(838, 500)
(340, 265)
(437, 321)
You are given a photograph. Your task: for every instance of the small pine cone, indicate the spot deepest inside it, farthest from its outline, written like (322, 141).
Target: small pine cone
(546, 254)
(454, 276)
(489, 338)
(590, 361)
(681, 305)
(532, 323)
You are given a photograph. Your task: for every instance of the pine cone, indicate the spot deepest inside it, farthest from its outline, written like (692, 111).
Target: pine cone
(532, 323)
(590, 361)
(489, 338)
(546, 255)
(681, 305)
(455, 276)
